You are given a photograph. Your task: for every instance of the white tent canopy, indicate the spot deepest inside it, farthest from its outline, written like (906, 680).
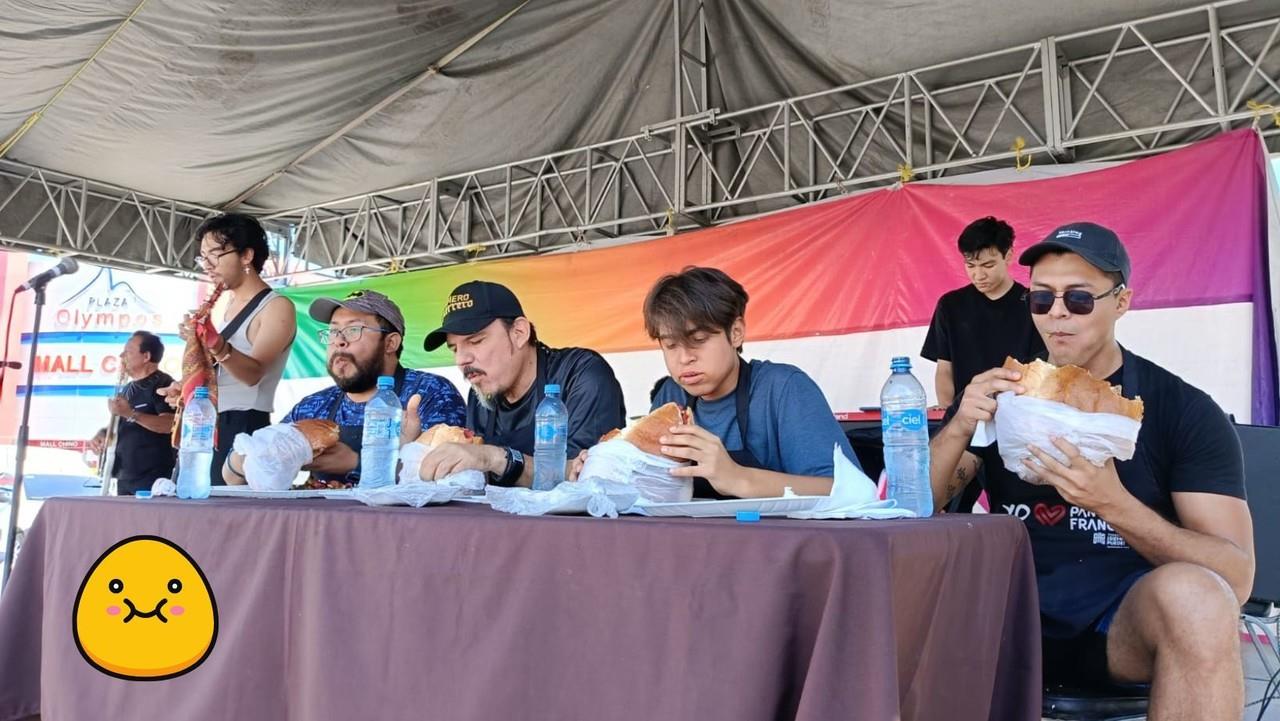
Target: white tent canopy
(400, 134)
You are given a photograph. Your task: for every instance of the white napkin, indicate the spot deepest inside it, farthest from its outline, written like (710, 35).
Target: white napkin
(164, 487)
(853, 495)
(984, 435)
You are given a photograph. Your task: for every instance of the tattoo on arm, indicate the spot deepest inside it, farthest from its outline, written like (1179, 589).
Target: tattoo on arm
(959, 482)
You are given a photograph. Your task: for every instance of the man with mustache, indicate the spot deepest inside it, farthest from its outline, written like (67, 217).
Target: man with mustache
(1142, 565)
(143, 452)
(498, 351)
(365, 337)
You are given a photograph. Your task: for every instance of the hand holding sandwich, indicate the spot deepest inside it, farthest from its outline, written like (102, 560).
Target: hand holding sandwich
(1079, 482)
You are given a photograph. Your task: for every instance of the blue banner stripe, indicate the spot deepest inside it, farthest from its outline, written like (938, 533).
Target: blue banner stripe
(95, 337)
(71, 390)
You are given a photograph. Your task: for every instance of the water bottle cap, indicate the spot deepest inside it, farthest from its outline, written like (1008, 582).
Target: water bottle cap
(552, 389)
(202, 392)
(900, 363)
(386, 382)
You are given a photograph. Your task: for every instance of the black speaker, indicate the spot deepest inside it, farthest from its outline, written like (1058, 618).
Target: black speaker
(1261, 446)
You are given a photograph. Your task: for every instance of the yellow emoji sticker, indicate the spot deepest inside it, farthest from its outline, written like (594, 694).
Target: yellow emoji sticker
(145, 611)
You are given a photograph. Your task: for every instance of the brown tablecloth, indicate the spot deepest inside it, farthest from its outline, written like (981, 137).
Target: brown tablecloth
(332, 610)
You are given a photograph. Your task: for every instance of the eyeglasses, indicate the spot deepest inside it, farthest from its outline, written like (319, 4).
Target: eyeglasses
(202, 260)
(350, 334)
(1077, 301)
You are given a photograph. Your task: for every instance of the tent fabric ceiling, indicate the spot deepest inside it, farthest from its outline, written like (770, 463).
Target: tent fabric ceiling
(198, 100)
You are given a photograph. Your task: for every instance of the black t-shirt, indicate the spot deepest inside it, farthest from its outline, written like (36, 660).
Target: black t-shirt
(588, 388)
(976, 333)
(142, 456)
(1083, 567)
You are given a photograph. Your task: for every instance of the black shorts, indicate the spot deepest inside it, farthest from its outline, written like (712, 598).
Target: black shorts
(231, 423)
(1077, 662)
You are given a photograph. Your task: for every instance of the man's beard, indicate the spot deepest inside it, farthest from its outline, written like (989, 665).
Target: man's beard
(365, 378)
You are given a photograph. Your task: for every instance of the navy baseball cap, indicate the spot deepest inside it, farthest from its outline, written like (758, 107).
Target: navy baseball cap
(1099, 246)
(471, 308)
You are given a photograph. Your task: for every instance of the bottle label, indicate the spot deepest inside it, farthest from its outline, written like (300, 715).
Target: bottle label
(378, 429)
(910, 419)
(546, 433)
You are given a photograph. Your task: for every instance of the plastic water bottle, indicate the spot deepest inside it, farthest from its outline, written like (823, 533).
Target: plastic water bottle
(905, 426)
(550, 440)
(380, 444)
(195, 454)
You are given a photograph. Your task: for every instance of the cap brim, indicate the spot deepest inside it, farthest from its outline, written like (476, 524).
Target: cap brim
(436, 338)
(322, 309)
(1037, 251)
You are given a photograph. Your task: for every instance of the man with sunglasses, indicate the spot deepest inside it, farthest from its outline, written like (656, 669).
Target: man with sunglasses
(365, 337)
(1142, 565)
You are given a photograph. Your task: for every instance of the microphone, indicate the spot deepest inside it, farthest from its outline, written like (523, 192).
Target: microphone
(64, 266)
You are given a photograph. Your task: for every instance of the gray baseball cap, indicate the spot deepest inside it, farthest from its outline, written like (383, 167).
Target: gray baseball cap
(360, 301)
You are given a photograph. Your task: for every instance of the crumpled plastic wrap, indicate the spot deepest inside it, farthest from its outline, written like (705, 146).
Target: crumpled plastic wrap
(411, 455)
(273, 456)
(1021, 421)
(618, 461)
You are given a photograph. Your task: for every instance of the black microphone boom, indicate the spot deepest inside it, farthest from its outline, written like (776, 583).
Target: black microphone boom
(64, 266)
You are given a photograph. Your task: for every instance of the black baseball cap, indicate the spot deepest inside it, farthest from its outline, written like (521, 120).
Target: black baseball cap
(1099, 246)
(471, 308)
(360, 301)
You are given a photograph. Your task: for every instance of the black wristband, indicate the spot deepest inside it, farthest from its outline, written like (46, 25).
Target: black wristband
(514, 469)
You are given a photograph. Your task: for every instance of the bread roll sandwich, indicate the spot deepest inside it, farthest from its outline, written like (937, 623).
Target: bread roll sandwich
(442, 433)
(321, 434)
(1075, 387)
(644, 433)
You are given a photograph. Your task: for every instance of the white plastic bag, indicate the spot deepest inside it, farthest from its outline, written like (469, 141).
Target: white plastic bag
(411, 455)
(1022, 421)
(599, 498)
(416, 494)
(618, 461)
(273, 456)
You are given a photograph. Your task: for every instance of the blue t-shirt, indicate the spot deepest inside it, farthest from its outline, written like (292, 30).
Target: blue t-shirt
(791, 429)
(441, 403)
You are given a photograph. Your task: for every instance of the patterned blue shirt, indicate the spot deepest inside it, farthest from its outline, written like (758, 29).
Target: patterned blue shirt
(441, 403)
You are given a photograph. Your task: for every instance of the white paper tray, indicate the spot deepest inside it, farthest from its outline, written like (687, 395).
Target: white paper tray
(728, 508)
(247, 492)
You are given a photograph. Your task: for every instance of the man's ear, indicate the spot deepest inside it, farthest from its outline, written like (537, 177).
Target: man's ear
(521, 331)
(738, 332)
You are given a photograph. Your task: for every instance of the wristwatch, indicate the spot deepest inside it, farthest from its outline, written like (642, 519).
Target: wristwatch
(514, 469)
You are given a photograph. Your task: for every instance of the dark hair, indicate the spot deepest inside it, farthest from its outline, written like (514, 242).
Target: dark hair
(983, 233)
(238, 231)
(694, 300)
(150, 344)
(533, 331)
(385, 325)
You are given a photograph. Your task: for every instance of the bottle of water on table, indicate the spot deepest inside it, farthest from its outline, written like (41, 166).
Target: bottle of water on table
(905, 426)
(550, 440)
(195, 452)
(380, 442)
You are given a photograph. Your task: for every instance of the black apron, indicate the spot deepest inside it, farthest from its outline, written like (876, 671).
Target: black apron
(353, 436)
(702, 488)
(509, 438)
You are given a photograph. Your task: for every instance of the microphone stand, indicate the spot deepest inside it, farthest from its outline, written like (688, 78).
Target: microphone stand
(23, 434)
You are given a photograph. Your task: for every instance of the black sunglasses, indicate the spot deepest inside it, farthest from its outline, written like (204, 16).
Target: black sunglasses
(1077, 301)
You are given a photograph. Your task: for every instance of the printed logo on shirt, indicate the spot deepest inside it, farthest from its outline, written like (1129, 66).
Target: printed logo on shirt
(1049, 515)
(1080, 521)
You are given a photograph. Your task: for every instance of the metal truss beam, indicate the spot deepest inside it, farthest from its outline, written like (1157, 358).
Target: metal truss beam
(53, 212)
